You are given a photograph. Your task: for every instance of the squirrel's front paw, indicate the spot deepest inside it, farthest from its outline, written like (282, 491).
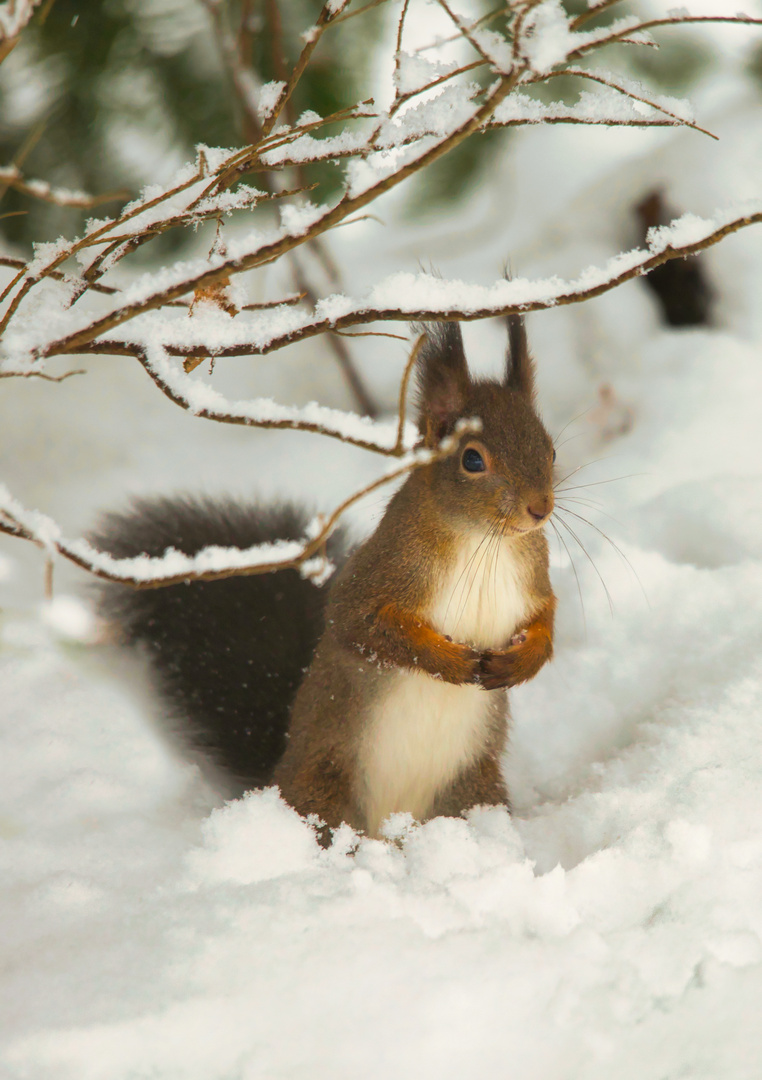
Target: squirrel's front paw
(527, 652)
(499, 668)
(466, 668)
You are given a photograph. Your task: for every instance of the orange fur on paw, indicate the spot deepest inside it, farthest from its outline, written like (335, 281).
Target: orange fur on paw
(412, 642)
(530, 648)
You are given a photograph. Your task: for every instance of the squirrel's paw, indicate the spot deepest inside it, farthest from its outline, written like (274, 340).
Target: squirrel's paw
(527, 652)
(498, 668)
(467, 667)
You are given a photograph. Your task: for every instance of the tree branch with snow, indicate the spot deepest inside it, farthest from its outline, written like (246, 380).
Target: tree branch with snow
(94, 306)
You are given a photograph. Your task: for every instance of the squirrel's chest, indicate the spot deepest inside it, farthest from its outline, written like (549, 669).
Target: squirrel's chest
(424, 732)
(481, 597)
(421, 734)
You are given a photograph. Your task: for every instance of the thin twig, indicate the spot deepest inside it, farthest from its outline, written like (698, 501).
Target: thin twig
(675, 20)
(404, 383)
(600, 7)
(41, 375)
(324, 20)
(241, 78)
(358, 11)
(341, 352)
(77, 245)
(466, 32)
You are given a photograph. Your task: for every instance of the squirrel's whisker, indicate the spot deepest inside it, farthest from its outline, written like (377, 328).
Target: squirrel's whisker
(463, 572)
(571, 438)
(561, 540)
(596, 507)
(614, 545)
(596, 483)
(579, 468)
(465, 595)
(569, 423)
(589, 558)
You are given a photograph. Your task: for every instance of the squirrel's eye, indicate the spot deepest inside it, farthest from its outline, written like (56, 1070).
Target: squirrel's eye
(472, 460)
(554, 454)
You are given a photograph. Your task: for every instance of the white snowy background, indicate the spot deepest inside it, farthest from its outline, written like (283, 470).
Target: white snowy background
(612, 928)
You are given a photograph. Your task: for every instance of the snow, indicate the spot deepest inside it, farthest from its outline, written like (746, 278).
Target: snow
(612, 926)
(268, 98)
(548, 38)
(14, 15)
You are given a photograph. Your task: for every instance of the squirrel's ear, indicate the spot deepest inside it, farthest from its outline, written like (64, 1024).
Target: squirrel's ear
(442, 379)
(519, 366)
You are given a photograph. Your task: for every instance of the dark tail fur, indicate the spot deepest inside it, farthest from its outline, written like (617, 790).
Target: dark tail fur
(227, 656)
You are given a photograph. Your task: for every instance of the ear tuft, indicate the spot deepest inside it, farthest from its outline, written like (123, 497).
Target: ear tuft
(519, 366)
(443, 380)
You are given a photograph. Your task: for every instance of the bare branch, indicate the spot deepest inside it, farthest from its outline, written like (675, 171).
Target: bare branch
(40, 375)
(630, 28)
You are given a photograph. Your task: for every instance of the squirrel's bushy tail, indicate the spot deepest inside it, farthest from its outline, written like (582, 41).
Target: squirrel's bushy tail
(227, 656)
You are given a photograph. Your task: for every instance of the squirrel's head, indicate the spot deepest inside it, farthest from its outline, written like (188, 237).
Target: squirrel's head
(502, 477)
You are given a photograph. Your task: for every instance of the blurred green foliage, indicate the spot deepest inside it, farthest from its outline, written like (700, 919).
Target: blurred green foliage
(103, 95)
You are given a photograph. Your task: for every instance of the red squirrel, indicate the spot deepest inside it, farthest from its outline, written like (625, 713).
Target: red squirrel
(407, 652)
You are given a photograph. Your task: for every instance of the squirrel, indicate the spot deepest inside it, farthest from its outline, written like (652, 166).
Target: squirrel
(384, 690)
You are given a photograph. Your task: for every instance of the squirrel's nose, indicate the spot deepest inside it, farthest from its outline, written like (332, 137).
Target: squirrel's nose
(540, 508)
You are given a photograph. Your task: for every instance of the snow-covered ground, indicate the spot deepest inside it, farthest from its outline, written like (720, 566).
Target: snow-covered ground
(612, 928)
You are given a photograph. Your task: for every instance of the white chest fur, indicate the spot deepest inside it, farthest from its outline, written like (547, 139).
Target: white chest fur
(482, 598)
(425, 731)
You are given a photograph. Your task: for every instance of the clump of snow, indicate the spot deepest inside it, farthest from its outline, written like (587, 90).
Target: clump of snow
(548, 38)
(309, 116)
(269, 95)
(71, 618)
(495, 47)
(256, 838)
(414, 71)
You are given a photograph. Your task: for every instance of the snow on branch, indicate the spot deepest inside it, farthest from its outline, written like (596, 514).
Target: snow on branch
(11, 177)
(385, 149)
(408, 297)
(172, 318)
(215, 562)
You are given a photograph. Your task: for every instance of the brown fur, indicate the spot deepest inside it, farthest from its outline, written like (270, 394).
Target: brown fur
(377, 624)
